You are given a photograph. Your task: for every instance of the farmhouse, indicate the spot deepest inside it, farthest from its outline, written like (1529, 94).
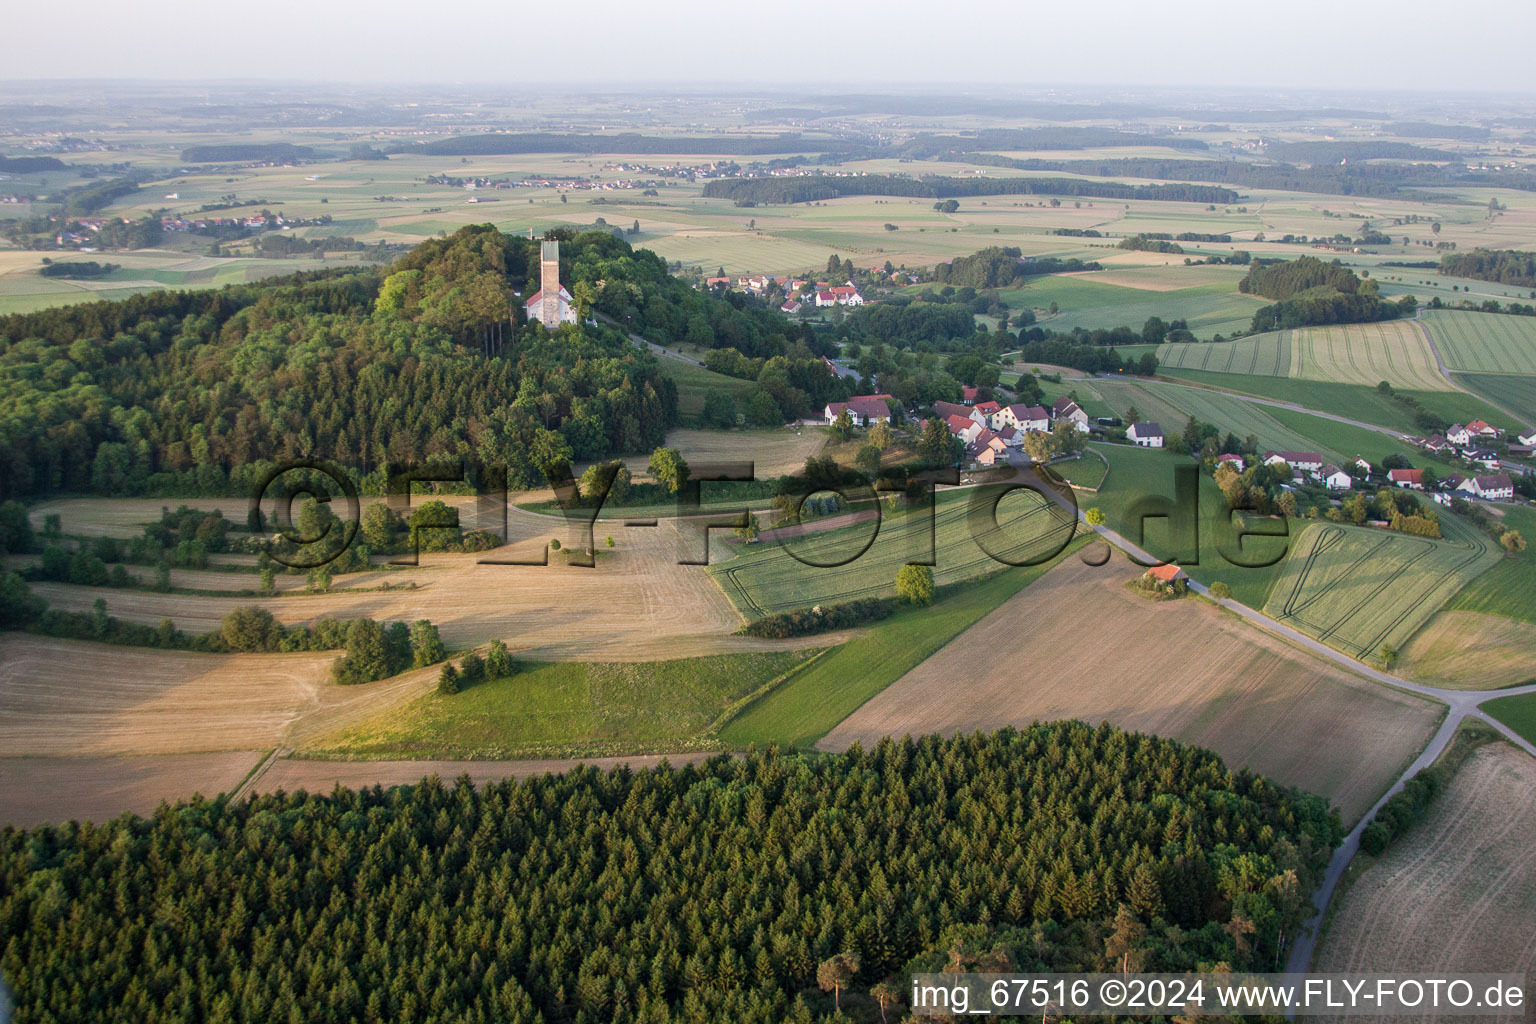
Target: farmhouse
(1412, 479)
(1335, 479)
(1066, 409)
(862, 409)
(1485, 457)
(1167, 573)
(1305, 462)
(791, 307)
(551, 305)
(1494, 487)
(1235, 461)
(1528, 438)
(1479, 429)
(1147, 435)
(1458, 435)
(1022, 417)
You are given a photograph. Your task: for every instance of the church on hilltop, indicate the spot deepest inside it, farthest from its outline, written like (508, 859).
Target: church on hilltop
(551, 305)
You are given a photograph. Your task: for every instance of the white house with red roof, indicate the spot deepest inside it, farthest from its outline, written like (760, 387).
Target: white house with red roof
(963, 427)
(968, 394)
(1479, 429)
(984, 411)
(1235, 461)
(1411, 479)
(862, 409)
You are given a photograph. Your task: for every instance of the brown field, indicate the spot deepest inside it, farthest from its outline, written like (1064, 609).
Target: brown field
(638, 604)
(1078, 644)
(1455, 893)
(43, 790)
(1472, 651)
(67, 698)
(126, 517)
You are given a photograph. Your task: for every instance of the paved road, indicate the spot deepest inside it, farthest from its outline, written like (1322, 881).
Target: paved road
(1292, 406)
(1460, 705)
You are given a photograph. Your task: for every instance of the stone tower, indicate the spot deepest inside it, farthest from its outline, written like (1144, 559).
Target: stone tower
(549, 284)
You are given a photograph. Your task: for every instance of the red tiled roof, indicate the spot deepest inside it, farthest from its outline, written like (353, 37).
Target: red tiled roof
(1167, 573)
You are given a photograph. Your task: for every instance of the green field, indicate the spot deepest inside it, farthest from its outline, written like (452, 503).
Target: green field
(694, 384)
(1519, 713)
(1093, 305)
(1515, 392)
(1484, 342)
(810, 703)
(1171, 405)
(1357, 401)
(1357, 588)
(568, 708)
(767, 578)
(1395, 351)
(1136, 473)
(1509, 588)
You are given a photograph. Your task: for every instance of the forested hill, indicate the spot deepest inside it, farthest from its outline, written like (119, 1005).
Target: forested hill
(200, 392)
(706, 893)
(818, 187)
(1310, 291)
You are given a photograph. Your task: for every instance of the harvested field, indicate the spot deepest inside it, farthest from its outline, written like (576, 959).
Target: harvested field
(772, 452)
(1356, 588)
(1454, 893)
(637, 604)
(1472, 651)
(74, 697)
(127, 517)
(1078, 644)
(54, 790)
(1484, 342)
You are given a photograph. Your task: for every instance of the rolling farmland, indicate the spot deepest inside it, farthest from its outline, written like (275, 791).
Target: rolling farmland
(1484, 342)
(1356, 588)
(1170, 405)
(1078, 644)
(1396, 351)
(768, 578)
(1454, 893)
(1515, 392)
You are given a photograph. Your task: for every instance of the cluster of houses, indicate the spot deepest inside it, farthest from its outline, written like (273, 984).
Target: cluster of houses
(824, 294)
(1309, 467)
(988, 429)
(1473, 441)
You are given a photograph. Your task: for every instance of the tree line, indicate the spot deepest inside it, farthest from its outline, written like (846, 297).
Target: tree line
(814, 188)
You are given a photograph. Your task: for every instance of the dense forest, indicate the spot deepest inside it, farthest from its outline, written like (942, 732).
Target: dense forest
(241, 152)
(201, 392)
(1508, 267)
(1311, 291)
(1002, 267)
(508, 143)
(815, 188)
(711, 892)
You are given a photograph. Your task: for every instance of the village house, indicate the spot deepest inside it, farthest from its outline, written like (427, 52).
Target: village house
(1493, 487)
(1361, 466)
(1485, 457)
(963, 427)
(1022, 417)
(1303, 462)
(1235, 461)
(1335, 479)
(944, 410)
(984, 412)
(968, 394)
(862, 409)
(1478, 429)
(791, 307)
(1412, 479)
(1146, 435)
(1066, 409)
(1528, 438)
(1011, 437)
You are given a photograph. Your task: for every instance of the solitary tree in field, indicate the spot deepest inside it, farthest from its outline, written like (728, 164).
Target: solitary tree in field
(1221, 592)
(1094, 516)
(836, 972)
(1512, 541)
(915, 584)
(1435, 227)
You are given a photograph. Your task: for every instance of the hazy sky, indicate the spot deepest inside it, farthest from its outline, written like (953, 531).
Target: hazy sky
(1299, 44)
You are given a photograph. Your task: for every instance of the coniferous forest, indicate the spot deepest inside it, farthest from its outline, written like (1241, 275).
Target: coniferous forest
(705, 893)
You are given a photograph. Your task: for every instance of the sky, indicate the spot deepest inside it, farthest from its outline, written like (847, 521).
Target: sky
(1472, 45)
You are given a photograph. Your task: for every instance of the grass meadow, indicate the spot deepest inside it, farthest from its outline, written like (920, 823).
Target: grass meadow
(1515, 392)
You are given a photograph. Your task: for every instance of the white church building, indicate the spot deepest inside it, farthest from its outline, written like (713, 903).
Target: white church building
(551, 305)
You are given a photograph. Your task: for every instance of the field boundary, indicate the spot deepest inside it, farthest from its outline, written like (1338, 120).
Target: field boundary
(741, 704)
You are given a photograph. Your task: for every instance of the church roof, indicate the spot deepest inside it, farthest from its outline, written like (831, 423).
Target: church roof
(539, 295)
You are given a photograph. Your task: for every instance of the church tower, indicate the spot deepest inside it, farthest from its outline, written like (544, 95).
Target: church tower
(549, 283)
